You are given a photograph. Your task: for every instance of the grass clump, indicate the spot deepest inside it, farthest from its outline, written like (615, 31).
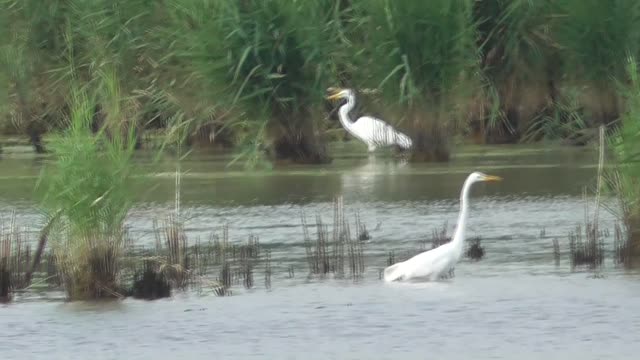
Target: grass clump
(88, 182)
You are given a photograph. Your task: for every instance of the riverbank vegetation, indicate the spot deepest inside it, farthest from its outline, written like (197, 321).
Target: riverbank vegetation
(623, 178)
(251, 75)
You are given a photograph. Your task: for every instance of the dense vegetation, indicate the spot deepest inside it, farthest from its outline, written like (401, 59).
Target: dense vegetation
(251, 75)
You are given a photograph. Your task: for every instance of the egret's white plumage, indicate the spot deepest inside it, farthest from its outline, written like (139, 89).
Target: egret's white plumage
(431, 265)
(372, 131)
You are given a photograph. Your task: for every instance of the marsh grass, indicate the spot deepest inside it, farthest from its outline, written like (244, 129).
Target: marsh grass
(439, 236)
(556, 251)
(15, 258)
(562, 120)
(622, 178)
(335, 253)
(88, 182)
(518, 61)
(363, 233)
(586, 248)
(90, 266)
(270, 60)
(251, 74)
(267, 269)
(172, 252)
(596, 39)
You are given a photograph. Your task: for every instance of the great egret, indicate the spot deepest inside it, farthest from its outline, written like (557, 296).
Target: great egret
(373, 132)
(434, 263)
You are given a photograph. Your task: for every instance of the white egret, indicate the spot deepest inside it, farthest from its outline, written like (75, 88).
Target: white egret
(434, 263)
(372, 131)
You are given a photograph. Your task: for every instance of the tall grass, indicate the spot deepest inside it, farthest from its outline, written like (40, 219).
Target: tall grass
(625, 142)
(89, 183)
(23, 68)
(252, 74)
(519, 61)
(268, 61)
(596, 37)
(421, 55)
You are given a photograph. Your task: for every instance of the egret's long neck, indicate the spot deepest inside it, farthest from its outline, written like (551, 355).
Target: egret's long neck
(458, 237)
(344, 113)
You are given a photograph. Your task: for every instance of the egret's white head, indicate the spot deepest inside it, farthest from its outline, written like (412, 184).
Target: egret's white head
(479, 176)
(338, 93)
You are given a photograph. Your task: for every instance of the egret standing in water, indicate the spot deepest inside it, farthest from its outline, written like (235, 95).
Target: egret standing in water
(373, 132)
(434, 263)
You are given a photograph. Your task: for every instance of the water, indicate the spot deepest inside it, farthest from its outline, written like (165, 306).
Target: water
(513, 303)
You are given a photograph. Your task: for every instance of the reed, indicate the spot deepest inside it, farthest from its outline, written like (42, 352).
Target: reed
(327, 253)
(622, 178)
(15, 258)
(251, 74)
(597, 39)
(518, 60)
(270, 59)
(172, 252)
(586, 248)
(88, 182)
(439, 236)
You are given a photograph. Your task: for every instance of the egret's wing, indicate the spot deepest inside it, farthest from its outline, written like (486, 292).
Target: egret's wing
(376, 130)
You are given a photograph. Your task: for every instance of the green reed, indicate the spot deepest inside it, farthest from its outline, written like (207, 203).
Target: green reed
(266, 63)
(88, 182)
(596, 37)
(252, 74)
(625, 143)
(518, 55)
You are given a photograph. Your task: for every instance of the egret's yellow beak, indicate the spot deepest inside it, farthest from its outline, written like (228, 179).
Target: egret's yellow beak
(491, 178)
(334, 93)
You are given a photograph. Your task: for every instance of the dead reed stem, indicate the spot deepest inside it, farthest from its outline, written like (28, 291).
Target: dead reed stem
(42, 242)
(600, 173)
(327, 255)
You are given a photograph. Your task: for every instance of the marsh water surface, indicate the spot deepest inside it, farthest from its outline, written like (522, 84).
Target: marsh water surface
(514, 303)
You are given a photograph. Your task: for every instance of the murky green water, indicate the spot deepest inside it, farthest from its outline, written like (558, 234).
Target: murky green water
(515, 303)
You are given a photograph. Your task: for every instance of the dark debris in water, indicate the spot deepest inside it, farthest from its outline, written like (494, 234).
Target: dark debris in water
(150, 283)
(5, 282)
(475, 251)
(200, 309)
